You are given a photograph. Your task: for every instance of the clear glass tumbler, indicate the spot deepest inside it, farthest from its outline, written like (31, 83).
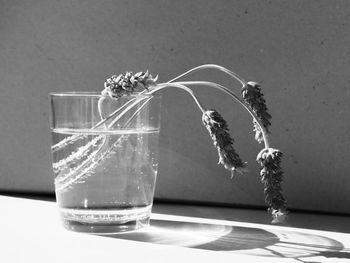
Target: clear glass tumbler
(104, 158)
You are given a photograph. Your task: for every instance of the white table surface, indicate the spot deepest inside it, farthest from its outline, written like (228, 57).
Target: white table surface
(31, 232)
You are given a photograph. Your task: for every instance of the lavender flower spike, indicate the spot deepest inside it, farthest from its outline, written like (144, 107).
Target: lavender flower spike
(254, 98)
(126, 84)
(218, 131)
(272, 176)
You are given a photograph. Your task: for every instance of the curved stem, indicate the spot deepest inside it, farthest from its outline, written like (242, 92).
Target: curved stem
(126, 110)
(99, 106)
(102, 121)
(180, 86)
(239, 100)
(211, 66)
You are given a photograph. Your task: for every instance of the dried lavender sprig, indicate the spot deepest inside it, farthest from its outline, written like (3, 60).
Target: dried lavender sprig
(254, 98)
(272, 181)
(219, 132)
(126, 84)
(272, 177)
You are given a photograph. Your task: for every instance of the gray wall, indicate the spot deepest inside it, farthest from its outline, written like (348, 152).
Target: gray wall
(298, 50)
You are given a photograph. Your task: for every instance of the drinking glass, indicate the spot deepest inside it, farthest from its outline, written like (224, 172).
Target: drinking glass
(104, 159)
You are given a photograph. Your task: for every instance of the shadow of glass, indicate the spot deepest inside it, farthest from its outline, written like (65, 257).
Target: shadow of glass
(335, 254)
(203, 236)
(245, 240)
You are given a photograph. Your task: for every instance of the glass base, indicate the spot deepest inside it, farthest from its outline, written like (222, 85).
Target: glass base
(100, 221)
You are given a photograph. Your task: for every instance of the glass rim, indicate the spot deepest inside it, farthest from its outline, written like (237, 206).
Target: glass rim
(96, 94)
